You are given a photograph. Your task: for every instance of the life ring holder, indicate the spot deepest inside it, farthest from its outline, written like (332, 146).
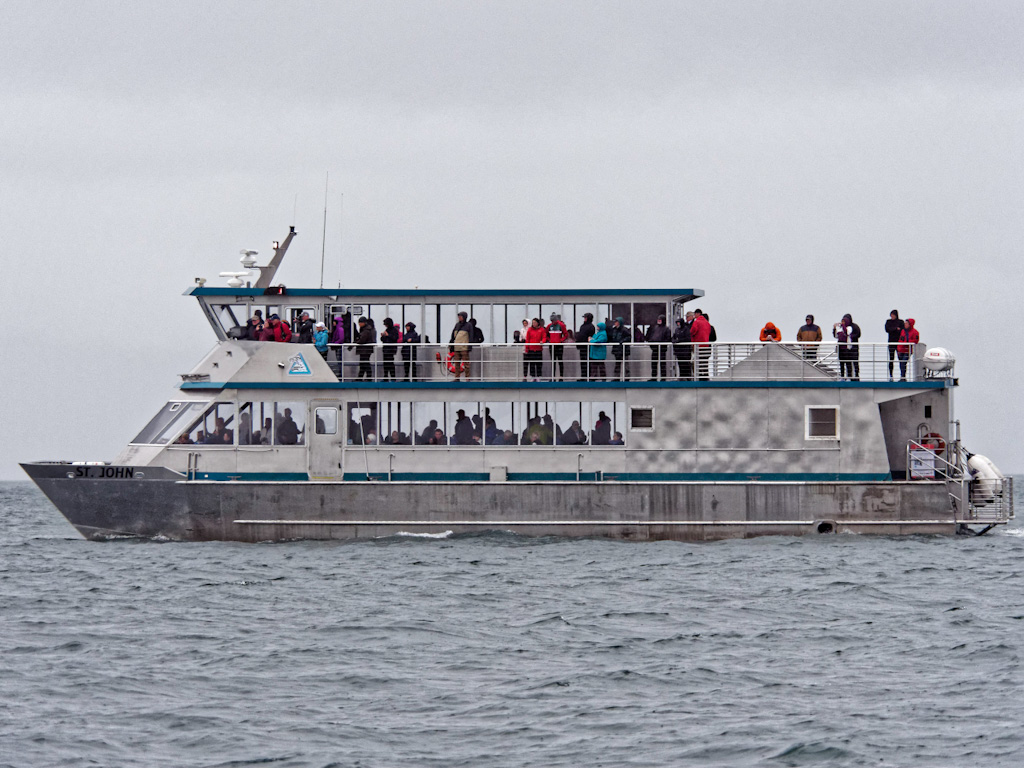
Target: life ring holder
(935, 439)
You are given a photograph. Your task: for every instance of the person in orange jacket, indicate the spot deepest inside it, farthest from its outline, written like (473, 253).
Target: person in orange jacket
(771, 333)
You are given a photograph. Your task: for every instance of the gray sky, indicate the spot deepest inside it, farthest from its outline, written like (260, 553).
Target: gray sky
(786, 157)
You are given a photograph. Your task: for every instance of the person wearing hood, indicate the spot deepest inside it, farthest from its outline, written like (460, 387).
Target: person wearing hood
(365, 342)
(598, 353)
(809, 333)
(320, 339)
(908, 338)
(700, 334)
(893, 330)
(335, 341)
(659, 337)
(458, 345)
(389, 347)
(409, 349)
(583, 336)
(556, 333)
(770, 333)
(682, 350)
(847, 333)
(620, 339)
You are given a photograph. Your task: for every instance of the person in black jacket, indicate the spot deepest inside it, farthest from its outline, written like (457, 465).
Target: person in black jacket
(304, 328)
(893, 329)
(847, 333)
(409, 348)
(682, 350)
(365, 342)
(620, 337)
(389, 343)
(658, 336)
(583, 335)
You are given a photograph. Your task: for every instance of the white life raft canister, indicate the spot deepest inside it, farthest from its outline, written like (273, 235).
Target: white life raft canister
(938, 359)
(986, 479)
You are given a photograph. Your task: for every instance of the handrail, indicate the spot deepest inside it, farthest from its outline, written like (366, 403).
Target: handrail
(974, 500)
(628, 361)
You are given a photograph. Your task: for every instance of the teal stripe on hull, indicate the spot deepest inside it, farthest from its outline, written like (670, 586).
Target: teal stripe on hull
(534, 385)
(541, 477)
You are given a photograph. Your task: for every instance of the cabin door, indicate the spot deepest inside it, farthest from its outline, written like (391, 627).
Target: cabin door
(325, 441)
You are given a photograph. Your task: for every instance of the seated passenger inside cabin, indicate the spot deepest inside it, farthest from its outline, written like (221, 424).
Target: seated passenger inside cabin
(617, 439)
(287, 429)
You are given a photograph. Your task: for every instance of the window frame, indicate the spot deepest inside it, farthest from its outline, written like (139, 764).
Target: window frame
(807, 422)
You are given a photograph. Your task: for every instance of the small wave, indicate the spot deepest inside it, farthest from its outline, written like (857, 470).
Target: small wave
(411, 535)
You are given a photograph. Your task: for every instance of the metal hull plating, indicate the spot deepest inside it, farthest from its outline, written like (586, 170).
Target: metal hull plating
(683, 511)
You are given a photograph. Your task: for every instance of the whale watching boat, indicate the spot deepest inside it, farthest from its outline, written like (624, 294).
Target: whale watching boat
(268, 440)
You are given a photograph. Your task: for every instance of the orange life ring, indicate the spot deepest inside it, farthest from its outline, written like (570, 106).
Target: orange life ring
(933, 438)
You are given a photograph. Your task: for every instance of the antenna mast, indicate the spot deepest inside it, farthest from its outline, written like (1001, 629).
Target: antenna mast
(323, 245)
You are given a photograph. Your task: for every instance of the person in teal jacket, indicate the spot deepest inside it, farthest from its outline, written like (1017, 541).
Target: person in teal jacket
(320, 339)
(598, 352)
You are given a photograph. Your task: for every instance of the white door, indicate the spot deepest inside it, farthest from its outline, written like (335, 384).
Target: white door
(325, 441)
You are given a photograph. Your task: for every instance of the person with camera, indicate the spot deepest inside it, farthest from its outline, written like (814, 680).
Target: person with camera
(847, 333)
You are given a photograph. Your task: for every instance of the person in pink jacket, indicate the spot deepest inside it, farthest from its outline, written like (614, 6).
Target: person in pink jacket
(908, 338)
(700, 334)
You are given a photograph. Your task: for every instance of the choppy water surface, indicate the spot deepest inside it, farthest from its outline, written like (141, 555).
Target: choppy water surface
(495, 650)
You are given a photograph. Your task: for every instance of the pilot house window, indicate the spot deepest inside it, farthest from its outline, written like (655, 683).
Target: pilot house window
(822, 422)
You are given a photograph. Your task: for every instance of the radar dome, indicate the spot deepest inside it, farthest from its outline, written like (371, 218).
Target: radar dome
(938, 359)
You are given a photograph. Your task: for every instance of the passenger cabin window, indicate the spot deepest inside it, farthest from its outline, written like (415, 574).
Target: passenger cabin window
(289, 424)
(215, 428)
(167, 423)
(822, 422)
(641, 419)
(326, 421)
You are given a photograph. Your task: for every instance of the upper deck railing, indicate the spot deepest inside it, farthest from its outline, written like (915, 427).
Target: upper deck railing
(637, 361)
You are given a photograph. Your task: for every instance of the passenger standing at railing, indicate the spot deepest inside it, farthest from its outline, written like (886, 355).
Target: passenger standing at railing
(682, 350)
(336, 339)
(320, 339)
(583, 336)
(893, 329)
(620, 339)
(809, 332)
(556, 334)
(770, 333)
(304, 329)
(458, 345)
(659, 337)
(365, 342)
(847, 333)
(389, 342)
(598, 353)
(908, 338)
(409, 350)
(700, 334)
(536, 338)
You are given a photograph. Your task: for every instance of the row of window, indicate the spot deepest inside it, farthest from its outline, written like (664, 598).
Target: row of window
(422, 423)
(434, 322)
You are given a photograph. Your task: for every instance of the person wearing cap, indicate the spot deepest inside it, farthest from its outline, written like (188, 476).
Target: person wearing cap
(659, 336)
(365, 342)
(276, 329)
(304, 328)
(583, 336)
(254, 327)
(410, 340)
(809, 333)
(556, 333)
(458, 345)
(320, 339)
(463, 431)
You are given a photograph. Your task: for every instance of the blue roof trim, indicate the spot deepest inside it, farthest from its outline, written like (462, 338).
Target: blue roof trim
(380, 292)
(562, 385)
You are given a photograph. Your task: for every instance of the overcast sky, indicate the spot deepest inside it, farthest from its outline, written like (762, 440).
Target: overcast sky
(785, 157)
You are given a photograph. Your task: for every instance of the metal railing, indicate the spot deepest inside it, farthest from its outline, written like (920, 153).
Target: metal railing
(635, 361)
(973, 499)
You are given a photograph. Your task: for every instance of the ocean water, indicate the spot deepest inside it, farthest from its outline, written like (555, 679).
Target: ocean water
(497, 650)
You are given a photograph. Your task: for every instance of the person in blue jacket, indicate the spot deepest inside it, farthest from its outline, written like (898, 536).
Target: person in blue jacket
(598, 352)
(320, 339)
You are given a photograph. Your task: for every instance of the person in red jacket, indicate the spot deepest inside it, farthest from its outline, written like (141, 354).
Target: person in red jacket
(536, 338)
(908, 338)
(556, 335)
(700, 334)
